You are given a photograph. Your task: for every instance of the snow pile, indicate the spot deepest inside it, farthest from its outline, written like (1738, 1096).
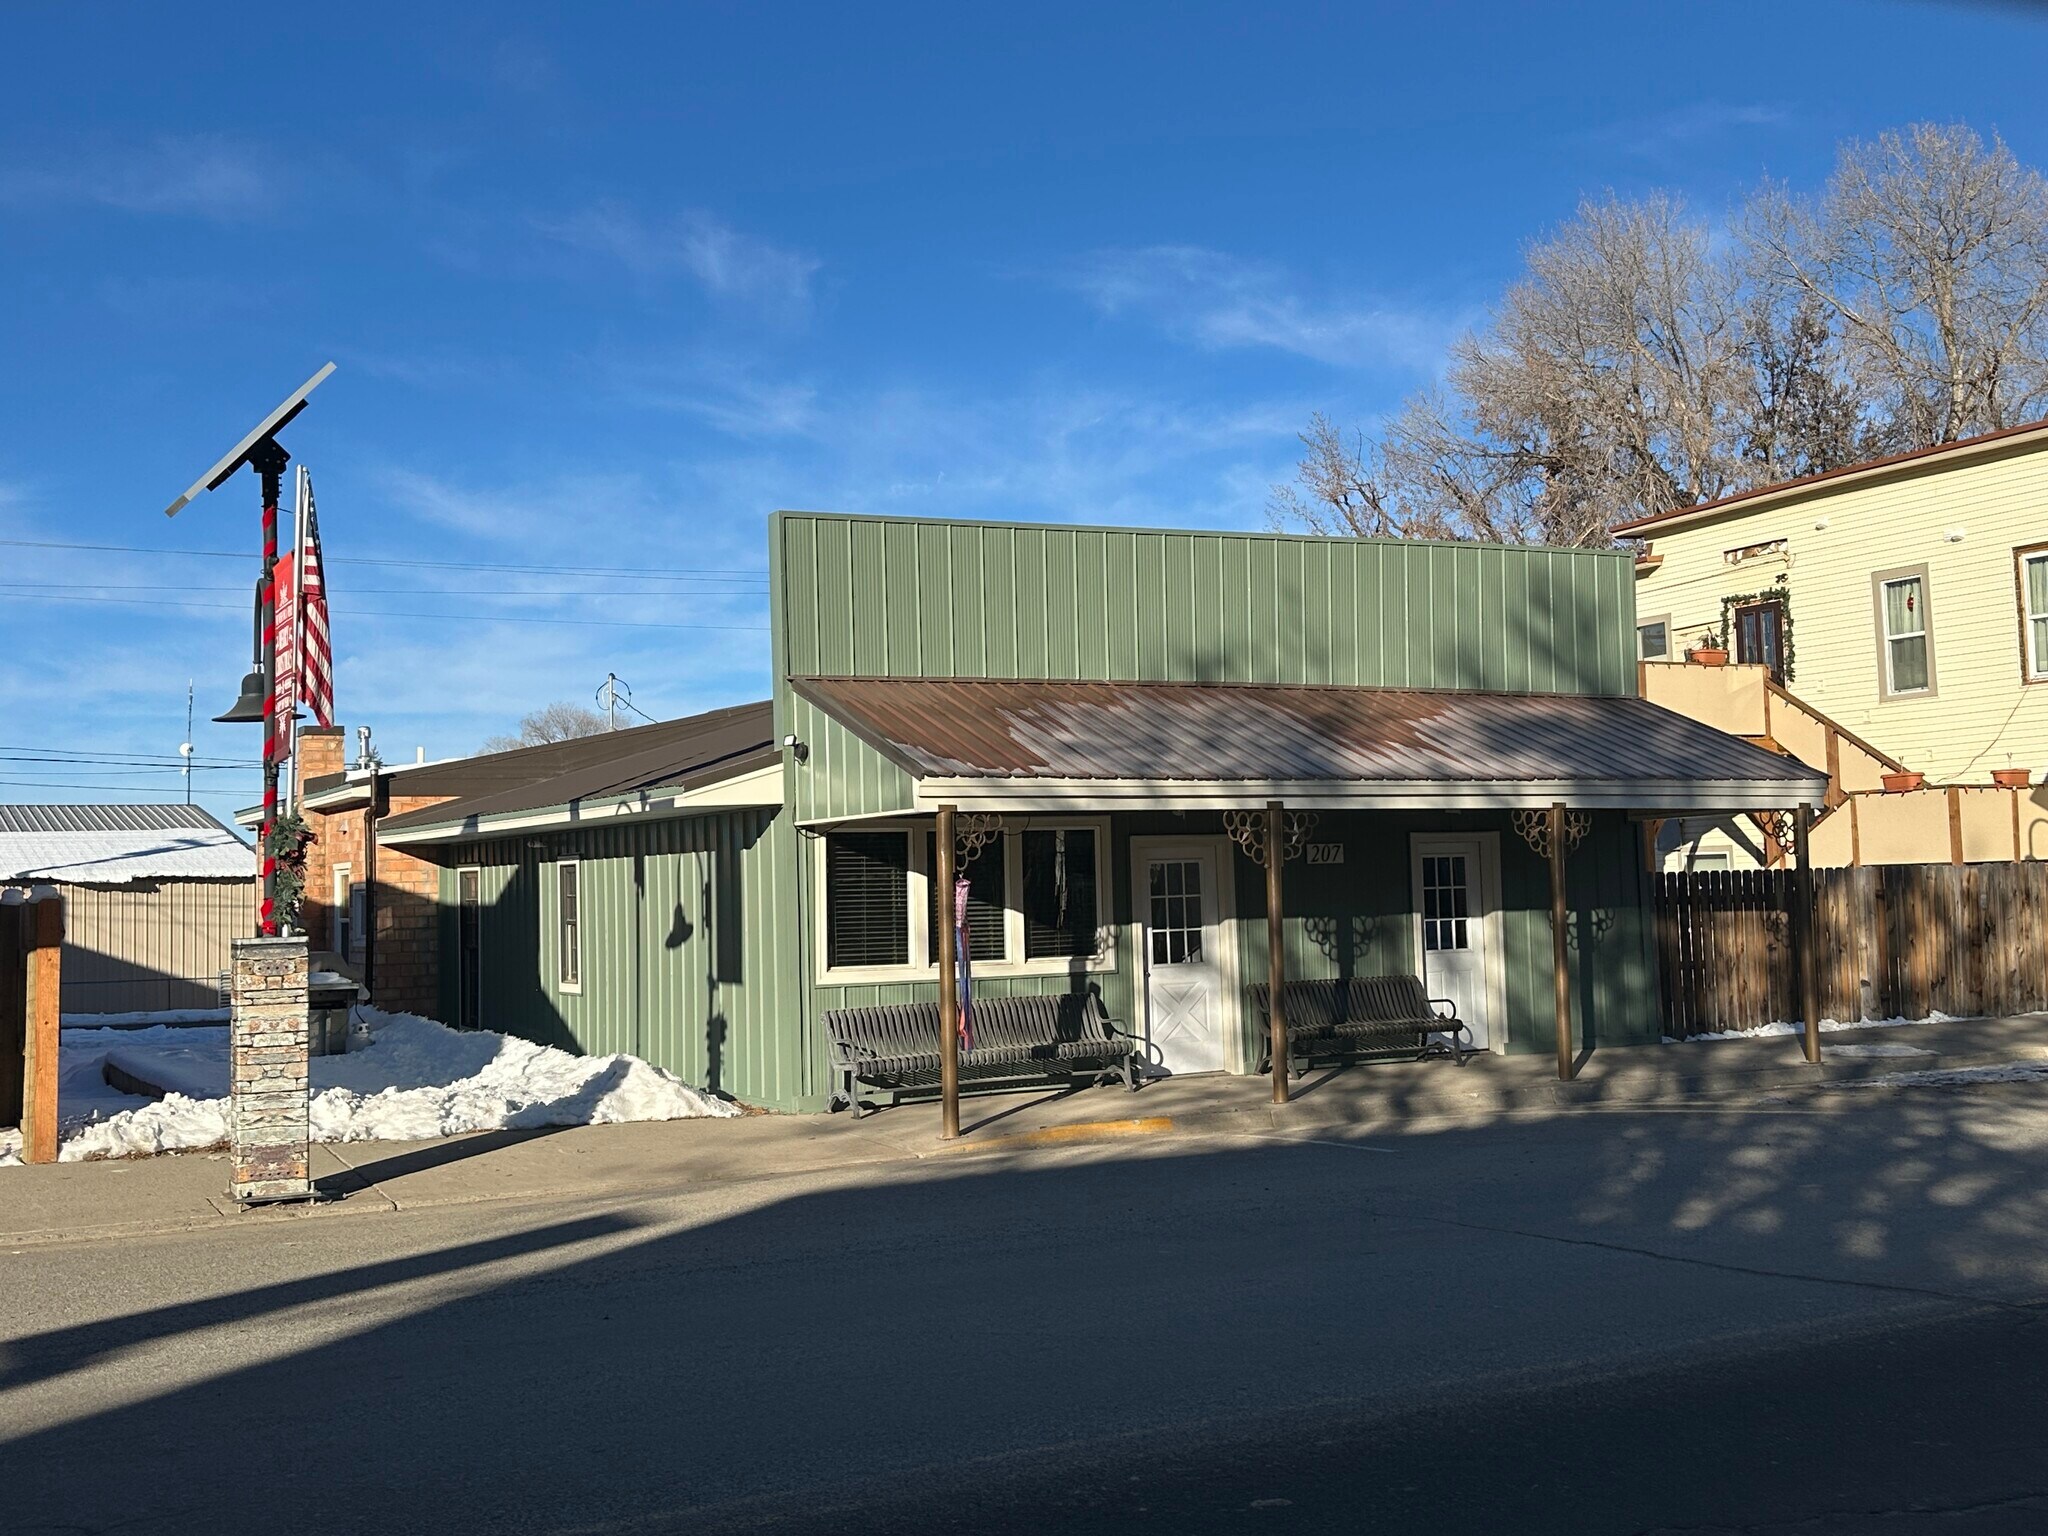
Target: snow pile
(404, 1078)
(1827, 1026)
(1957, 1077)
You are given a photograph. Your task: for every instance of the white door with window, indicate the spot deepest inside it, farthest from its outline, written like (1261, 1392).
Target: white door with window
(1456, 901)
(1179, 903)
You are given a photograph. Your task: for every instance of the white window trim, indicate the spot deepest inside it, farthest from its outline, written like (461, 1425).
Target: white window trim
(339, 911)
(1671, 646)
(1886, 580)
(569, 988)
(2037, 665)
(1013, 963)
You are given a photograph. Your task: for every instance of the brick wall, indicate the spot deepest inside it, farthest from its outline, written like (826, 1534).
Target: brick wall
(405, 893)
(337, 838)
(408, 922)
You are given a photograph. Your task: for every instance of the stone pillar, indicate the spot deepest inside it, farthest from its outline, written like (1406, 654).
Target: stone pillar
(269, 1108)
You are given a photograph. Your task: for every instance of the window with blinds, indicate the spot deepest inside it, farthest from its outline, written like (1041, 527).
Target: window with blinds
(867, 899)
(984, 901)
(1060, 919)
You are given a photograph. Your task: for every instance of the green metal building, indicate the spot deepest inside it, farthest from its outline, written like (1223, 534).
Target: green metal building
(1097, 703)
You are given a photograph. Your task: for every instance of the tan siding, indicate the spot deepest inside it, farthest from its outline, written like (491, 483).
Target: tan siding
(154, 945)
(1982, 714)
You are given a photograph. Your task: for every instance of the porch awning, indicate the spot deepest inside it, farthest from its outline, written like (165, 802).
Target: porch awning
(1004, 744)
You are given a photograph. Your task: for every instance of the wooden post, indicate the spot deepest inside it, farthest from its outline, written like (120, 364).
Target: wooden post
(949, 982)
(1955, 824)
(1560, 959)
(1276, 945)
(43, 931)
(1653, 834)
(1802, 930)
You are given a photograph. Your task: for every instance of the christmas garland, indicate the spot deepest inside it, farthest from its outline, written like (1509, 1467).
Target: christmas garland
(289, 838)
(1777, 592)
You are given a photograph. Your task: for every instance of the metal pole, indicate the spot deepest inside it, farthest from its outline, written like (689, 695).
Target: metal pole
(1560, 958)
(1802, 930)
(949, 1001)
(269, 460)
(1276, 946)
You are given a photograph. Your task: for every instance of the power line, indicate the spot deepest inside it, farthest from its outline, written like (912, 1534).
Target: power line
(116, 789)
(115, 762)
(389, 613)
(115, 759)
(652, 572)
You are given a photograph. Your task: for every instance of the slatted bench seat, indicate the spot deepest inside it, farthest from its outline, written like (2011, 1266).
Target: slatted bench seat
(1015, 1040)
(1365, 1015)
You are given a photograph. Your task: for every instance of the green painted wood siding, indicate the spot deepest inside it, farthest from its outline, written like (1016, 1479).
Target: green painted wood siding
(903, 598)
(691, 950)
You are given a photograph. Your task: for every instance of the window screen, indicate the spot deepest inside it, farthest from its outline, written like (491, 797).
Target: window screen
(984, 901)
(1059, 893)
(867, 899)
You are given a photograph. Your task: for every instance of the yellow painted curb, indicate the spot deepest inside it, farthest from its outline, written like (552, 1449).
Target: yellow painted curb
(1054, 1135)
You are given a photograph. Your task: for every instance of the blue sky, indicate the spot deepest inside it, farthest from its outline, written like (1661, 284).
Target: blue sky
(608, 284)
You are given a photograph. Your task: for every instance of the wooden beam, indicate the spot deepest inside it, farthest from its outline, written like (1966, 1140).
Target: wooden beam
(1802, 930)
(1955, 824)
(2017, 852)
(1560, 957)
(1276, 945)
(1653, 834)
(949, 982)
(43, 929)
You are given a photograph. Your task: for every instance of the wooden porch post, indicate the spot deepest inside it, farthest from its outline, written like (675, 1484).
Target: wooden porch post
(1560, 958)
(1276, 945)
(42, 933)
(949, 998)
(1802, 931)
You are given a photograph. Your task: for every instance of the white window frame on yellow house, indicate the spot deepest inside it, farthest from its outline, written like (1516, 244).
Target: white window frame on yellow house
(1880, 584)
(2033, 621)
(1656, 621)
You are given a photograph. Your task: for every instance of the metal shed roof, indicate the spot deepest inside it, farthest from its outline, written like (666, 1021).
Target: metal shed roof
(118, 844)
(1026, 742)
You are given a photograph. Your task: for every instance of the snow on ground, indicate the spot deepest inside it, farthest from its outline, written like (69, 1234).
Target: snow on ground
(1957, 1077)
(404, 1078)
(1827, 1026)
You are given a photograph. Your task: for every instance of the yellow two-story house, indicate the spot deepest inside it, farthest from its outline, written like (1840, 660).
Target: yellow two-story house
(1905, 600)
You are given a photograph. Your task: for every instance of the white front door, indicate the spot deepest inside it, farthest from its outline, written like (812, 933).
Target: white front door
(1454, 902)
(1180, 936)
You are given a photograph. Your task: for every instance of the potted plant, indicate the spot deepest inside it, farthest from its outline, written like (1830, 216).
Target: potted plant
(1708, 651)
(1899, 783)
(2012, 778)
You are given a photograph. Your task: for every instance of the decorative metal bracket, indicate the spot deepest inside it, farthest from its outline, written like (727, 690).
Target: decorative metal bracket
(973, 832)
(1248, 830)
(1534, 827)
(1777, 826)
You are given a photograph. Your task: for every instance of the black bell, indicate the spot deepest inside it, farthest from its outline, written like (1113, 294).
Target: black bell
(248, 709)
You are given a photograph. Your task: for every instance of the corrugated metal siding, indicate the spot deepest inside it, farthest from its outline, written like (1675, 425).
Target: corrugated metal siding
(878, 597)
(690, 949)
(149, 946)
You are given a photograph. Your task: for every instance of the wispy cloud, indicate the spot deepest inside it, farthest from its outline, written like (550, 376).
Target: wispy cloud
(202, 175)
(1219, 301)
(727, 263)
(1664, 136)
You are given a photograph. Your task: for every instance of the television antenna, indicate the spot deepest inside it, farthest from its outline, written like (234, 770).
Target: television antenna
(261, 451)
(185, 746)
(614, 692)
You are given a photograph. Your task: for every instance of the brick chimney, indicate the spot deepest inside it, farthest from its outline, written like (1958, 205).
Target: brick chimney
(316, 753)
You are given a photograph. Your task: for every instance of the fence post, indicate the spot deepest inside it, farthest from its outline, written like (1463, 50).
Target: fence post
(1802, 925)
(43, 930)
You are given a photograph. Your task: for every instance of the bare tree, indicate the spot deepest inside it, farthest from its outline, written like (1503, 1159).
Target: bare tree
(1928, 253)
(1642, 363)
(560, 721)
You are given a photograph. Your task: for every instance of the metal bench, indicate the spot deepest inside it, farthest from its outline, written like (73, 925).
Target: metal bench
(1365, 1015)
(1015, 1040)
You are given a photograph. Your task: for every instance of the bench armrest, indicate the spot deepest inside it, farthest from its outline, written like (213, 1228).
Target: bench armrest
(1452, 1008)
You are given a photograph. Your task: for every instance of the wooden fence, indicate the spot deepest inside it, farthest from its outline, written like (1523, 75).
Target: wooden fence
(31, 965)
(1896, 941)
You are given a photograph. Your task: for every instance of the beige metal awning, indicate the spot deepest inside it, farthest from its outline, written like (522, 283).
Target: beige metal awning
(1021, 745)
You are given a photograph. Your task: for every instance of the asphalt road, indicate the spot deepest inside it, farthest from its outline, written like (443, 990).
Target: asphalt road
(1810, 1316)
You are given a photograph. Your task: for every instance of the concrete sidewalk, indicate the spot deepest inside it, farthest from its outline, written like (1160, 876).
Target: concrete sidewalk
(81, 1201)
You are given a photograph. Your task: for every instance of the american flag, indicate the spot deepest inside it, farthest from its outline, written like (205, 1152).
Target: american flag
(305, 659)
